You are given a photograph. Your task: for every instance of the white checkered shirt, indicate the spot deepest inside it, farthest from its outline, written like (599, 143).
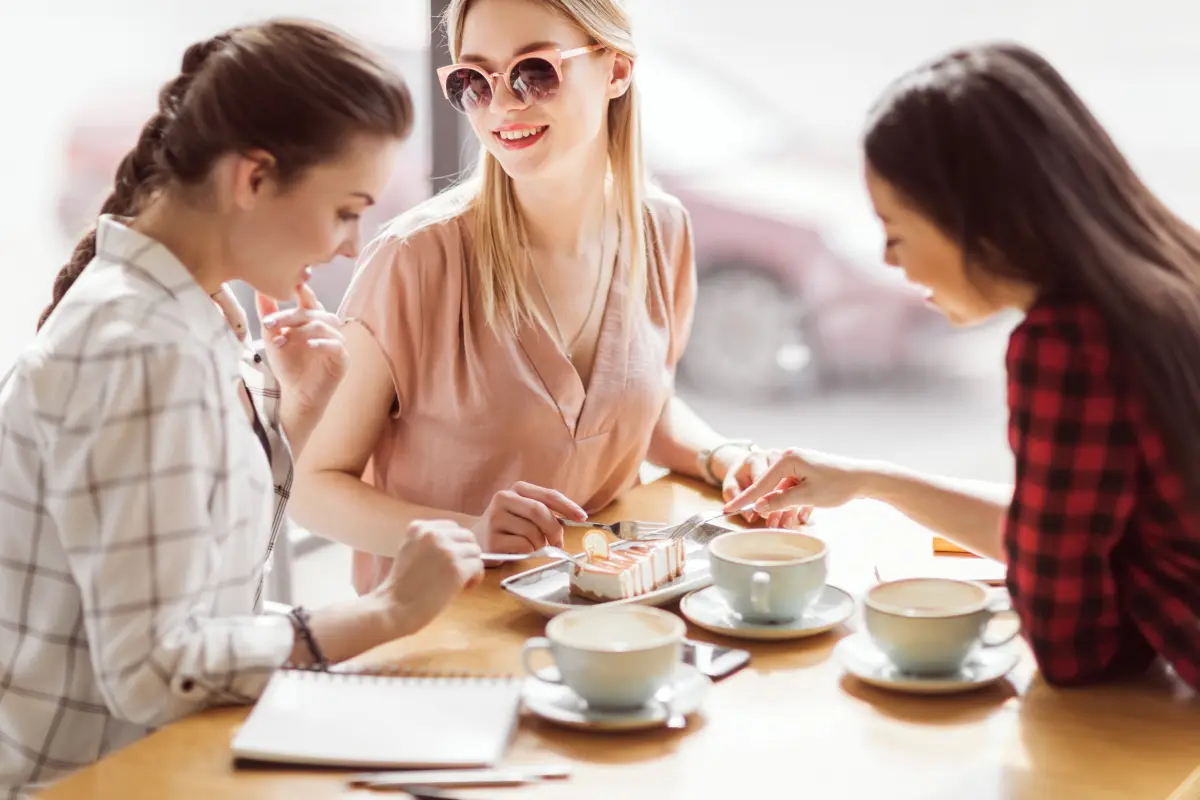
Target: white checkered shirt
(137, 516)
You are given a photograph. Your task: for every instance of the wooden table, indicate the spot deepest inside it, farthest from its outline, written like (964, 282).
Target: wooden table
(792, 724)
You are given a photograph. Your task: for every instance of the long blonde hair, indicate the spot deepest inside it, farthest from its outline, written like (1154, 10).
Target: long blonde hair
(499, 238)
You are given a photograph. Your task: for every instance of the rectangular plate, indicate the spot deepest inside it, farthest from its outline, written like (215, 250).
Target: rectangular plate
(546, 589)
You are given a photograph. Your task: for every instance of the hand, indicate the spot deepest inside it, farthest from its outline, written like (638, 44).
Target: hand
(804, 478)
(747, 468)
(522, 519)
(437, 560)
(232, 309)
(305, 349)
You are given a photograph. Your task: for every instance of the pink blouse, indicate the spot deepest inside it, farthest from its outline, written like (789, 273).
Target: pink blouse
(480, 408)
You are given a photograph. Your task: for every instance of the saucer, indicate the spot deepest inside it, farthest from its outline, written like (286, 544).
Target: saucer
(560, 705)
(708, 610)
(865, 661)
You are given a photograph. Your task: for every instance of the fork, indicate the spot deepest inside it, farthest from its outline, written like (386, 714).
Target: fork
(628, 529)
(693, 522)
(549, 551)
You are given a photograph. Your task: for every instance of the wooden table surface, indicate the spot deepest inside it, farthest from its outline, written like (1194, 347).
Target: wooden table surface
(791, 724)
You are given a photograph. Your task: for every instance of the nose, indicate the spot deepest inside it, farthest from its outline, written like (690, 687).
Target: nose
(504, 100)
(349, 246)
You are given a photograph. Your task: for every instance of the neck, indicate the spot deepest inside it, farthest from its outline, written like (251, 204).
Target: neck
(563, 213)
(190, 235)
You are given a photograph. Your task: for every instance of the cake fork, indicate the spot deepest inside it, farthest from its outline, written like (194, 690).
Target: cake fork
(549, 551)
(631, 530)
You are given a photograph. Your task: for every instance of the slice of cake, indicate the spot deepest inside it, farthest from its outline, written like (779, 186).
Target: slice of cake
(617, 574)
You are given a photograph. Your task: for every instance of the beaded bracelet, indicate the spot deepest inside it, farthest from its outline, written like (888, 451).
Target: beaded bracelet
(299, 617)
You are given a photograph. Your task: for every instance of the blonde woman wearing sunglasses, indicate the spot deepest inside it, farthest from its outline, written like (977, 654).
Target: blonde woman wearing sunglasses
(513, 341)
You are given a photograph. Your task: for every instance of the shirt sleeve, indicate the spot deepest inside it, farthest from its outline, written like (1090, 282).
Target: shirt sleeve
(1076, 481)
(136, 472)
(385, 297)
(681, 263)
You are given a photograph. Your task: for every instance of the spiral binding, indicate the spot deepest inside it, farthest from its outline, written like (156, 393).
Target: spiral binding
(388, 671)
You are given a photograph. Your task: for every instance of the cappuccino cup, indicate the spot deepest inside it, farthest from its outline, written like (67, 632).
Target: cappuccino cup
(931, 626)
(613, 657)
(768, 575)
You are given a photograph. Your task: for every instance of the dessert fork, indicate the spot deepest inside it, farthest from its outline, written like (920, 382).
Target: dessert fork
(549, 551)
(628, 529)
(694, 522)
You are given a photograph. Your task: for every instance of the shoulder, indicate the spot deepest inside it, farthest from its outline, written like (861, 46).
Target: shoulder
(419, 242)
(1062, 331)
(116, 361)
(667, 213)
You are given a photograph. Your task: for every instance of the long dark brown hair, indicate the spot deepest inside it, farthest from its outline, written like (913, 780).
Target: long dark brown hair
(297, 90)
(995, 148)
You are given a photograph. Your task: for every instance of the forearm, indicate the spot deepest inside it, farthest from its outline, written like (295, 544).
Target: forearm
(342, 507)
(679, 437)
(347, 629)
(299, 425)
(969, 513)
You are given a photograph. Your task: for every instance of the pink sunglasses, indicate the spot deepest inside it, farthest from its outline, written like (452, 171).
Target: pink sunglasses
(531, 78)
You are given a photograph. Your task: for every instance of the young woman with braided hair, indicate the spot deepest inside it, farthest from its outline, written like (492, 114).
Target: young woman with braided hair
(146, 452)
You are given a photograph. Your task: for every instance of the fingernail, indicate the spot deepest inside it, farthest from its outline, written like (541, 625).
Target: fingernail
(279, 340)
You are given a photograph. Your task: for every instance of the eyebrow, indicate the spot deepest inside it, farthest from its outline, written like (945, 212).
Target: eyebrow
(370, 200)
(472, 58)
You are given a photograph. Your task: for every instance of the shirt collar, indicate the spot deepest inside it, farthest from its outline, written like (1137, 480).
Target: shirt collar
(117, 243)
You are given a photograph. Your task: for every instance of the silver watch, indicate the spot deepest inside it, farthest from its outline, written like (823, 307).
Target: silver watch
(705, 457)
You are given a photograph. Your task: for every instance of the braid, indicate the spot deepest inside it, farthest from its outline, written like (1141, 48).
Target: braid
(142, 170)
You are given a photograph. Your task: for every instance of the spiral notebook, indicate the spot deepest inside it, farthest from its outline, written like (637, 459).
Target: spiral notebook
(380, 720)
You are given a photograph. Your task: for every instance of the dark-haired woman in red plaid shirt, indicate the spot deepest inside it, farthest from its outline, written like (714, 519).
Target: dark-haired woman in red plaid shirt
(998, 189)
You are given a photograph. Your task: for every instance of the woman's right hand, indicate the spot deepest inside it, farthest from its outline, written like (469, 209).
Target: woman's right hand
(804, 478)
(436, 561)
(525, 518)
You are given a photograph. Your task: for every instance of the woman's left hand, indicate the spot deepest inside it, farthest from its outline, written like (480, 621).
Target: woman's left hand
(744, 469)
(306, 351)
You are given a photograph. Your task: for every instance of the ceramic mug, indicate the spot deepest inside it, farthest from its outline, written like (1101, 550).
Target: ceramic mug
(930, 626)
(612, 657)
(770, 575)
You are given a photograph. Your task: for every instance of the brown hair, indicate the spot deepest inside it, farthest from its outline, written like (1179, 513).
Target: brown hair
(294, 89)
(993, 146)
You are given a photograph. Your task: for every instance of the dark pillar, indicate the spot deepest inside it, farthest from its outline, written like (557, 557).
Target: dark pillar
(447, 127)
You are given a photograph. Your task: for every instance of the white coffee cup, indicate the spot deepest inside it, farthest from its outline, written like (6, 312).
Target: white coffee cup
(770, 575)
(612, 657)
(930, 626)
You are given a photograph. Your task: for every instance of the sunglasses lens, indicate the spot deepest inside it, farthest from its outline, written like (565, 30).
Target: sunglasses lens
(468, 89)
(534, 80)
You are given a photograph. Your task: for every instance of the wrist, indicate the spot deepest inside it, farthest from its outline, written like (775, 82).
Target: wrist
(383, 613)
(713, 463)
(875, 480)
(727, 458)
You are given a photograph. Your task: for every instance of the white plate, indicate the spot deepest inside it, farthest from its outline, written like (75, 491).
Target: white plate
(708, 609)
(546, 589)
(560, 705)
(865, 661)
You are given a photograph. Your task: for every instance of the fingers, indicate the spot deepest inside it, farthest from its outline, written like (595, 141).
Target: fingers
(557, 502)
(295, 317)
(266, 306)
(517, 522)
(232, 309)
(313, 329)
(789, 493)
(306, 298)
(789, 465)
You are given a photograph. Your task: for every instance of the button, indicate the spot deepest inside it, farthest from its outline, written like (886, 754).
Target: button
(258, 358)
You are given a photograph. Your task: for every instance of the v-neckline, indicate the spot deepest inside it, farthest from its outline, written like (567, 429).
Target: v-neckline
(578, 404)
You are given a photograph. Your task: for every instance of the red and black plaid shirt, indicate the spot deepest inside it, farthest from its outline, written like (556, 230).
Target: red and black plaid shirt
(1103, 551)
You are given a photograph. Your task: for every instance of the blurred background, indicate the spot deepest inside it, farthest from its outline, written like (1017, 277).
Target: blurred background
(802, 337)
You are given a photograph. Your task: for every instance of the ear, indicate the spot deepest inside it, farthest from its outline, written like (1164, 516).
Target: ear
(251, 172)
(621, 76)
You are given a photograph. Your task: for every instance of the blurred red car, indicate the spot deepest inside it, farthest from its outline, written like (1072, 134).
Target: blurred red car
(779, 308)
